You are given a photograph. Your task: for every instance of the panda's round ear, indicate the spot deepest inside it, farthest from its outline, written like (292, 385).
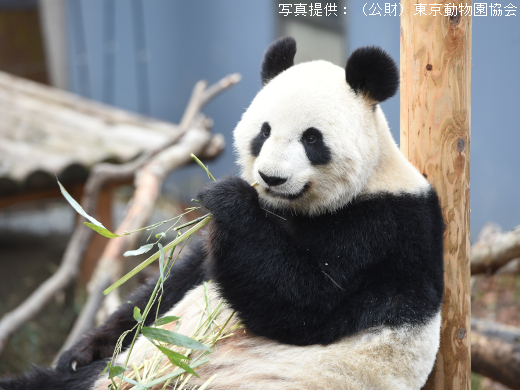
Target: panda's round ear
(371, 72)
(278, 57)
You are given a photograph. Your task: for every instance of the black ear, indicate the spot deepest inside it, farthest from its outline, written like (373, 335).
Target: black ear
(278, 57)
(373, 73)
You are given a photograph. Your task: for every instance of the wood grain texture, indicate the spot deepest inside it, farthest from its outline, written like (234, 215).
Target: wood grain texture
(435, 137)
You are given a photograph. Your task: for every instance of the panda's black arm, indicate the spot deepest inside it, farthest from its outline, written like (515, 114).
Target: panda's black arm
(276, 285)
(186, 273)
(315, 284)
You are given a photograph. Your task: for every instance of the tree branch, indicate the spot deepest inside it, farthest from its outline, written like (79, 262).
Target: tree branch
(511, 268)
(495, 352)
(489, 258)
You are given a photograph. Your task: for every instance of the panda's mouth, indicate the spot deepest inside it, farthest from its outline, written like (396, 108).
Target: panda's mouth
(288, 196)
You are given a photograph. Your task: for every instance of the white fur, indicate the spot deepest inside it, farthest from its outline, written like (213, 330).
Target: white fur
(393, 173)
(377, 358)
(365, 158)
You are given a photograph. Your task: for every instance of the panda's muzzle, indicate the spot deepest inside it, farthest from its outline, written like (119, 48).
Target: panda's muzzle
(288, 196)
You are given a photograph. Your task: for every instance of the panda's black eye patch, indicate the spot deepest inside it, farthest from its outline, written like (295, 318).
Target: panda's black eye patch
(317, 151)
(258, 141)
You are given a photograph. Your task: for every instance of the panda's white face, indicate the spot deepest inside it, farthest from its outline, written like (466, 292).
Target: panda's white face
(308, 140)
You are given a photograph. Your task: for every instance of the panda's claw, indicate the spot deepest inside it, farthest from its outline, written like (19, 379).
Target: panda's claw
(73, 365)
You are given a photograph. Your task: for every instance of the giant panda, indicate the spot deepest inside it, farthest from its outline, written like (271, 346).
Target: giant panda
(333, 262)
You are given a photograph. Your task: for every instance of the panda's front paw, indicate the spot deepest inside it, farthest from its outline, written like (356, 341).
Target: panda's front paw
(228, 195)
(83, 353)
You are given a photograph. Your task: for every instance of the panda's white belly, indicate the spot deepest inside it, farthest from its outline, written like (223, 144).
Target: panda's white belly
(378, 358)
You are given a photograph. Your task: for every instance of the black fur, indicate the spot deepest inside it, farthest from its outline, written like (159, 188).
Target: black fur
(100, 343)
(377, 261)
(49, 379)
(258, 141)
(372, 72)
(278, 57)
(317, 151)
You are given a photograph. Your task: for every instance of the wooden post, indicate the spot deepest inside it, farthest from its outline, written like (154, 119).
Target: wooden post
(435, 137)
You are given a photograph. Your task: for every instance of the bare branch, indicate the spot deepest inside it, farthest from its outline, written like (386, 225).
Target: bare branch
(193, 106)
(225, 83)
(511, 268)
(202, 96)
(491, 257)
(495, 352)
(507, 333)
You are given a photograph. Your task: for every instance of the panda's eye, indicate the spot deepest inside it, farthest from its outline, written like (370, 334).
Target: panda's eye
(315, 146)
(311, 138)
(266, 130)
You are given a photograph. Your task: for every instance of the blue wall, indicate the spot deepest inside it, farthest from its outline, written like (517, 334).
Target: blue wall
(162, 48)
(495, 129)
(183, 41)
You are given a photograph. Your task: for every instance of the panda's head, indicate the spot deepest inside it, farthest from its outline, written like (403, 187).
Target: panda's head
(310, 136)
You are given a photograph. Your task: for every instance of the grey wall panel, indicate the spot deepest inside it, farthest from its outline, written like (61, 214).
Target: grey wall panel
(495, 129)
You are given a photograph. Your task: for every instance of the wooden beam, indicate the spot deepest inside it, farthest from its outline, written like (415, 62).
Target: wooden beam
(37, 195)
(435, 137)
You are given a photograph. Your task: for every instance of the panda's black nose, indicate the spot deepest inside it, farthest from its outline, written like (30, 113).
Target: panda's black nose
(272, 180)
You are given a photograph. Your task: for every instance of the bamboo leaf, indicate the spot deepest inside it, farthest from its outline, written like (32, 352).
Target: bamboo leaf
(203, 166)
(180, 363)
(161, 263)
(174, 374)
(101, 230)
(167, 336)
(153, 257)
(171, 354)
(166, 320)
(140, 251)
(115, 371)
(137, 314)
(77, 207)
